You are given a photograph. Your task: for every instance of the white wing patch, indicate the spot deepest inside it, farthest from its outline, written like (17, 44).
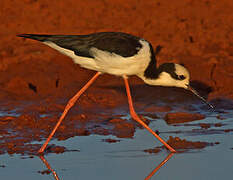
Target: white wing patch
(113, 63)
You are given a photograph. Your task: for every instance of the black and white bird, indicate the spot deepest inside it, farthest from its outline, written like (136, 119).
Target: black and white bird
(118, 54)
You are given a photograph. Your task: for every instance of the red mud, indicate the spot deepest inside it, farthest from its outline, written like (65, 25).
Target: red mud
(181, 117)
(111, 140)
(158, 109)
(182, 145)
(152, 150)
(197, 34)
(178, 143)
(47, 171)
(38, 80)
(202, 125)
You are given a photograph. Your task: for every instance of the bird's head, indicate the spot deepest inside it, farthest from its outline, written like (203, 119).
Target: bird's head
(174, 75)
(169, 74)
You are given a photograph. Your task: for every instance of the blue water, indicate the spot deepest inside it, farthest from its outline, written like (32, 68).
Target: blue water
(126, 159)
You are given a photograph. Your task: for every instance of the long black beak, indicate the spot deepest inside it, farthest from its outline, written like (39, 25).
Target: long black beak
(195, 92)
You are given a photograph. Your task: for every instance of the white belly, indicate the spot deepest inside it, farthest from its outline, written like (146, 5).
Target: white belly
(111, 63)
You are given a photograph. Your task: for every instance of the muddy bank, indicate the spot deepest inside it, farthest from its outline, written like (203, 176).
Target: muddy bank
(33, 122)
(182, 145)
(181, 117)
(196, 34)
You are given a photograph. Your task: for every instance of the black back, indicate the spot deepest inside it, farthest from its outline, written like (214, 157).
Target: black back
(123, 44)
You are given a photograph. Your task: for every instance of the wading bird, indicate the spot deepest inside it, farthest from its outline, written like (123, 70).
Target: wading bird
(118, 54)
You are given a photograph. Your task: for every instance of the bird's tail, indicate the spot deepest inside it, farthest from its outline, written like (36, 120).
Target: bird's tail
(38, 37)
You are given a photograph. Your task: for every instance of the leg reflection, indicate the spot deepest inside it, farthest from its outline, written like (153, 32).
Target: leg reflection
(159, 166)
(49, 167)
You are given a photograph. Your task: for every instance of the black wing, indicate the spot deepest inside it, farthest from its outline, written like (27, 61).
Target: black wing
(123, 44)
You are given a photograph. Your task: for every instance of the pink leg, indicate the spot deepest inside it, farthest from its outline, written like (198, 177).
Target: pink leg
(135, 116)
(159, 166)
(67, 108)
(49, 167)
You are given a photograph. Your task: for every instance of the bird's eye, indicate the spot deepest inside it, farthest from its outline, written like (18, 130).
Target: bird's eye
(181, 77)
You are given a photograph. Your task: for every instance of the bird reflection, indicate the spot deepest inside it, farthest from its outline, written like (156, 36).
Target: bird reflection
(49, 167)
(147, 178)
(159, 166)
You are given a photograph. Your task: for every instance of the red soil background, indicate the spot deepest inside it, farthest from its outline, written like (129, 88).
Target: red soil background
(198, 34)
(38, 79)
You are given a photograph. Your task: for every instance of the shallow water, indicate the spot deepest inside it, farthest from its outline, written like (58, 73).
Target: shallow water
(126, 159)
